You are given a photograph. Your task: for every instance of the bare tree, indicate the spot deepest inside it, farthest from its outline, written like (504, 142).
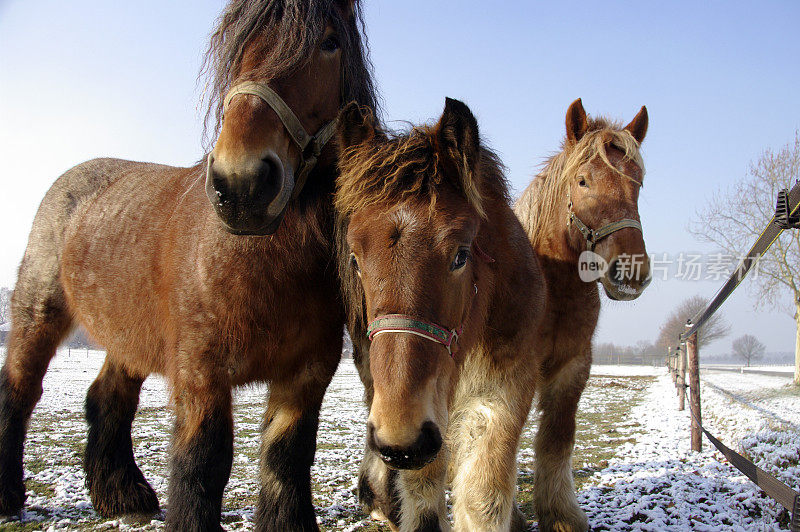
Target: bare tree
(5, 304)
(749, 348)
(675, 325)
(734, 219)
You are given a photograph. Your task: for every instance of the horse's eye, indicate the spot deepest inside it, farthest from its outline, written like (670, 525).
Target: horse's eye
(582, 181)
(354, 263)
(331, 44)
(461, 259)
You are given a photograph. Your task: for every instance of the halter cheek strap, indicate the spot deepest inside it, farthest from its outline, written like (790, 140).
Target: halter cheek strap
(593, 236)
(310, 146)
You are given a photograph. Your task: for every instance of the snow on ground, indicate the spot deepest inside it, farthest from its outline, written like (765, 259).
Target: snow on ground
(632, 460)
(657, 483)
(627, 370)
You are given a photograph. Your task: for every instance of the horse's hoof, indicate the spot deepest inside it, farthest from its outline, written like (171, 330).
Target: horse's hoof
(378, 515)
(138, 520)
(578, 523)
(12, 499)
(137, 499)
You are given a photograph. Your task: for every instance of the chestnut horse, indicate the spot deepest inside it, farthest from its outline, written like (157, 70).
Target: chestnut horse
(438, 271)
(582, 216)
(138, 254)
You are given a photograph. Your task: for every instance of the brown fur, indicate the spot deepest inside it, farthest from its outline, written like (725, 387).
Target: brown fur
(407, 204)
(607, 157)
(135, 252)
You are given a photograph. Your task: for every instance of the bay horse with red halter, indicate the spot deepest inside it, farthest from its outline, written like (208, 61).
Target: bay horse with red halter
(581, 214)
(195, 273)
(445, 297)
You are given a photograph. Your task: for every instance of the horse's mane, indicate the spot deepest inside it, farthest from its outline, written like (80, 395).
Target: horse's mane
(390, 169)
(289, 30)
(540, 202)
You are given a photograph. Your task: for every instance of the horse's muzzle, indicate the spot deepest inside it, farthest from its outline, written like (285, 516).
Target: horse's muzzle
(249, 195)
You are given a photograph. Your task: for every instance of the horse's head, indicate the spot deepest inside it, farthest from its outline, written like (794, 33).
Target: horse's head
(282, 71)
(604, 172)
(413, 205)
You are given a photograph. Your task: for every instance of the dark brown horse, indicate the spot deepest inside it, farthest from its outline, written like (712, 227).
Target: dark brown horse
(138, 254)
(581, 213)
(439, 272)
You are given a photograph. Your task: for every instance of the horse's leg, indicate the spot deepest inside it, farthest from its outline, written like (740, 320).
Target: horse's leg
(40, 320)
(554, 491)
(377, 489)
(202, 444)
(288, 444)
(116, 485)
(421, 497)
(490, 409)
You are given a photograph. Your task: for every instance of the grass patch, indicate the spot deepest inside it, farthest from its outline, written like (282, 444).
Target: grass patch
(40, 488)
(57, 439)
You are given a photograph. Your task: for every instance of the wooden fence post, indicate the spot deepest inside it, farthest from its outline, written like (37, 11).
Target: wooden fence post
(681, 379)
(672, 367)
(693, 367)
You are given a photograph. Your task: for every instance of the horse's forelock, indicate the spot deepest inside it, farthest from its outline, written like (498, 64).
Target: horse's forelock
(386, 170)
(298, 25)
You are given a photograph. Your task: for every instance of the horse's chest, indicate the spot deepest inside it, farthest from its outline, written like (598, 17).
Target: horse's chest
(272, 312)
(569, 324)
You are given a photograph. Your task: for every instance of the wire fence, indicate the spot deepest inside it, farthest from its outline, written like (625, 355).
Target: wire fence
(683, 361)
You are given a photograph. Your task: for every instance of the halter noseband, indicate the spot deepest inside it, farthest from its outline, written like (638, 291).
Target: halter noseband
(310, 146)
(403, 323)
(593, 236)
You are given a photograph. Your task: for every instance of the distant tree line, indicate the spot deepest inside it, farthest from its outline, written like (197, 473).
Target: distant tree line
(5, 304)
(643, 352)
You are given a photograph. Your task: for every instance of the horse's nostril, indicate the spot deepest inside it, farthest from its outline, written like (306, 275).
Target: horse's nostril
(614, 273)
(264, 185)
(221, 189)
(430, 439)
(415, 456)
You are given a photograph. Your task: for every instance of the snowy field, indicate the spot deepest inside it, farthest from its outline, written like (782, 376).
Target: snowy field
(632, 463)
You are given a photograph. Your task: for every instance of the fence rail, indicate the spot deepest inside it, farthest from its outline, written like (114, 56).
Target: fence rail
(684, 359)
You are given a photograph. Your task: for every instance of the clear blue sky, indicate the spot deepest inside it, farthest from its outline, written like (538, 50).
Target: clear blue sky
(84, 78)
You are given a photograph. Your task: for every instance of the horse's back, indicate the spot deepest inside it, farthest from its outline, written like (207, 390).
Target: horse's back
(38, 286)
(71, 191)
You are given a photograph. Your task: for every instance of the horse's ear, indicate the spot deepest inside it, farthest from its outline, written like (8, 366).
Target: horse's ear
(577, 124)
(638, 126)
(356, 125)
(457, 133)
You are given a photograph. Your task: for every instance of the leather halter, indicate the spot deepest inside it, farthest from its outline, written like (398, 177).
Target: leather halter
(403, 323)
(593, 236)
(310, 146)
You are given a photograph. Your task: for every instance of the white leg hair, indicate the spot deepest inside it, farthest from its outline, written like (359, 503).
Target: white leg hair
(422, 496)
(490, 409)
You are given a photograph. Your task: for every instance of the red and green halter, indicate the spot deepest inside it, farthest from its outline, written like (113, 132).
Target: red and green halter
(403, 323)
